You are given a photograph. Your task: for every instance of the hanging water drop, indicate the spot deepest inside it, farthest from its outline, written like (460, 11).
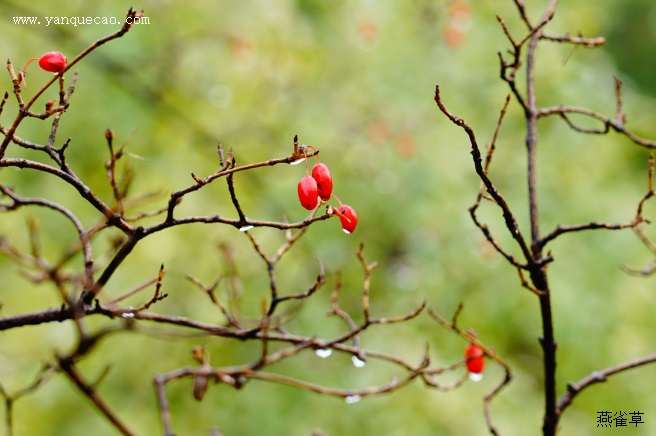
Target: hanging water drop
(476, 376)
(357, 362)
(244, 228)
(324, 352)
(352, 399)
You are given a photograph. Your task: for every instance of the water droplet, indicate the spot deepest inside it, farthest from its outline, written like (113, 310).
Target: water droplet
(244, 228)
(298, 161)
(357, 362)
(476, 376)
(346, 231)
(324, 352)
(128, 315)
(352, 399)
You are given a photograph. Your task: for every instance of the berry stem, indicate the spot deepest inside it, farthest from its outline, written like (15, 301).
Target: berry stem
(307, 168)
(339, 212)
(29, 62)
(316, 152)
(22, 73)
(340, 205)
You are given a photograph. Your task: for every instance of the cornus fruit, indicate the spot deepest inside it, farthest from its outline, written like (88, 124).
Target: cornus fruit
(53, 61)
(318, 187)
(308, 193)
(321, 174)
(348, 217)
(475, 361)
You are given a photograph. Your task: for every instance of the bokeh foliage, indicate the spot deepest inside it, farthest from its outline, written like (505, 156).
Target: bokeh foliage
(356, 80)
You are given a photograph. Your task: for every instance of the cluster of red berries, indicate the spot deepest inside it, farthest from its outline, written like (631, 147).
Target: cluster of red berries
(475, 359)
(53, 61)
(318, 188)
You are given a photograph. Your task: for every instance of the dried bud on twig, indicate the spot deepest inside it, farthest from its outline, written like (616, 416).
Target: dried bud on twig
(200, 386)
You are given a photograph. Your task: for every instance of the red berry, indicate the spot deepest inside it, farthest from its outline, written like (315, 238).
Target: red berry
(307, 192)
(348, 218)
(321, 174)
(475, 359)
(53, 61)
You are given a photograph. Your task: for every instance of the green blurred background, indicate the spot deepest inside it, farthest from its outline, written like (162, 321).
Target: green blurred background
(356, 80)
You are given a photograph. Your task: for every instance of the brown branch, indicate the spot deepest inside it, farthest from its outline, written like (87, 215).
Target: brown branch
(573, 389)
(76, 183)
(616, 124)
(42, 377)
(511, 222)
(471, 338)
(226, 169)
(25, 107)
(522, 13)
(19, 201)
(366, 283)
(321, 279)
(576, 40)
(337, 311)
(233, 196)
(561, 230)
(211, 292)
(525, 283)
(67, 365)
(486, 166)
(110, 167)
(237, 376)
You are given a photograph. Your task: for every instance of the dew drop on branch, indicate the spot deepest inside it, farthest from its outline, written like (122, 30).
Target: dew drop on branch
(298, 161)
(244, 228)
(357, 362)
(324, 352)
(352, 399)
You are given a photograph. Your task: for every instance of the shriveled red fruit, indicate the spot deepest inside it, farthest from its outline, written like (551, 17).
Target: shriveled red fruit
(321, 174)
(53, 61)
(475, 359)
(307, 192)
(348, 217)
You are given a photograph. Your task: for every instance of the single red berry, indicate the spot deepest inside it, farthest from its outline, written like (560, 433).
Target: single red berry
(321, 174)
(53, 61)
(348, 217)
(307, 192)
(475, 359)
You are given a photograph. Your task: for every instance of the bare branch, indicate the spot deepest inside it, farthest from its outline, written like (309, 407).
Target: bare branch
(67, 365)
(573, 389)
(511, 222)
(471, 338)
